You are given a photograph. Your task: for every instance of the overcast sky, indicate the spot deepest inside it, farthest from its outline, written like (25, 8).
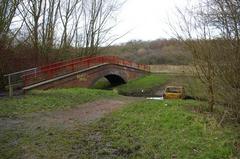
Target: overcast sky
(147, 19)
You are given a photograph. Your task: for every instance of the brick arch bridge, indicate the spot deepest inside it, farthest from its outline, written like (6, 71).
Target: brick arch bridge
(83, 72)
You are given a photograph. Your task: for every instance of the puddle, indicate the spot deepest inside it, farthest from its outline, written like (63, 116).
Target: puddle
(155, 98)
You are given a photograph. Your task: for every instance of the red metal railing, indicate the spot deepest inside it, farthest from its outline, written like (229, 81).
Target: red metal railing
(46, 67)
(65, 67)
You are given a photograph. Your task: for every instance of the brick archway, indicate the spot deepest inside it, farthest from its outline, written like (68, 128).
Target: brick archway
(113, 79)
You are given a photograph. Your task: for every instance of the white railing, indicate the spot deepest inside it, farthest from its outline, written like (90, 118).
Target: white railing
(11, 80)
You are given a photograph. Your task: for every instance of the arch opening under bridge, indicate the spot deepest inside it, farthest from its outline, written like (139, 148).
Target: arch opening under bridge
(108, 81)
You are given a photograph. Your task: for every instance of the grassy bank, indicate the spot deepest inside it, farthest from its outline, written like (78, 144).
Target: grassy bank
(148, 85)
(36, 101)
(160, 129)
(150, 129)
(103, 83)
(144, 85)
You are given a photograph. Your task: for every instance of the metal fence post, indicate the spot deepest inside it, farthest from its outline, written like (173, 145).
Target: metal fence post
(10, 89)
(35, 72)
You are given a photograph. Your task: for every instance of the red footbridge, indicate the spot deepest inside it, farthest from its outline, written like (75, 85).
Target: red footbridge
(79, 72)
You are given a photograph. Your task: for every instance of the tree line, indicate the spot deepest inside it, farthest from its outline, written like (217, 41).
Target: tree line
(48, 24)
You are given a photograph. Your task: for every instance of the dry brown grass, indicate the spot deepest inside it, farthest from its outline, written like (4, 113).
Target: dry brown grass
(182, 69)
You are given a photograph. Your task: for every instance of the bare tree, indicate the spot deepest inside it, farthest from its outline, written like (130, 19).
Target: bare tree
(66, 15)
(85, 23)
(7, 13)
(224, 15)
(40, 18)
(211, 32)
(97, 15)
(33, 9)
(196, 33)
(50, 17)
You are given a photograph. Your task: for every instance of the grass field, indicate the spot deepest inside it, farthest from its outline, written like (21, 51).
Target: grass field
(148, 129)
(178, 69)
(144, 85)
(38, 101)
(160, 129)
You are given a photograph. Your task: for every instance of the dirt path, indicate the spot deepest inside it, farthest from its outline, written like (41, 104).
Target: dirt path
(82, 114)
(31, 134)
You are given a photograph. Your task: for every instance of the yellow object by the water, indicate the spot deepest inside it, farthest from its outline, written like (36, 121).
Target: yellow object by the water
(174, 92)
